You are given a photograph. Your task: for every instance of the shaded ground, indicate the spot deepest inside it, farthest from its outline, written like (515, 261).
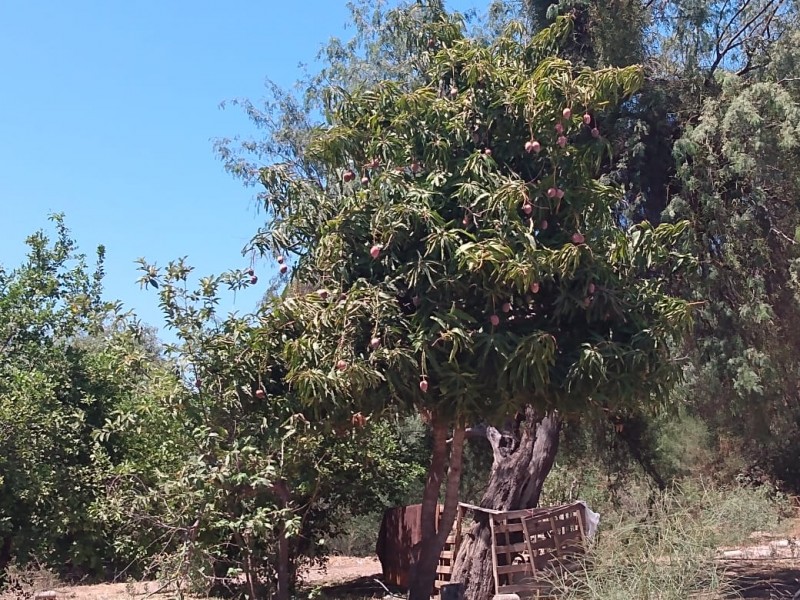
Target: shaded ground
(354, 578)
(348, 578)
(770, 577)
(769, 567)
(766, 579)
(104, 591)
(362, 588)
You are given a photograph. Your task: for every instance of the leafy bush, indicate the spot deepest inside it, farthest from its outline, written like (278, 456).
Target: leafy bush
(61, 376)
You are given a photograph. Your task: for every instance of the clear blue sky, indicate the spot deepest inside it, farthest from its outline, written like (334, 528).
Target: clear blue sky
(107, 112)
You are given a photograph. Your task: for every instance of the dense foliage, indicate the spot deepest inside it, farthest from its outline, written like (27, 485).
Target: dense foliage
(68, 362)
(713, 138)
(259, 481)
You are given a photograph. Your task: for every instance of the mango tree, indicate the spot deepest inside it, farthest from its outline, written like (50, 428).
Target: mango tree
(464, 262)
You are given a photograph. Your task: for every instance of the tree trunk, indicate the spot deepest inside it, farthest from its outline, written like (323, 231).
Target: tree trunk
(283, 567)
(632, 430)
(434, 534)
(452, 591)
(516, 480)
(5, 558)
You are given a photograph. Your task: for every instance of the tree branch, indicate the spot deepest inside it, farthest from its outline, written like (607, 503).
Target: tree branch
(545, 447)
(475, 431)
(494, 437)
(735, 41)
(452, 485)
(783, 235)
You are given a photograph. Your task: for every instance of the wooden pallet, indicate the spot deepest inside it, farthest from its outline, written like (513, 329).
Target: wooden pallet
(528, 546)
(449, 552)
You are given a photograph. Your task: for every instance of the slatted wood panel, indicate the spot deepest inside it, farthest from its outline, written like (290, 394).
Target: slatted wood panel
(448, 556)
(526, 543)
(446, 560)
(545, 539)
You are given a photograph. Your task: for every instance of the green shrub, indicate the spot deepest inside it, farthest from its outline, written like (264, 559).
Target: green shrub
(358, 535)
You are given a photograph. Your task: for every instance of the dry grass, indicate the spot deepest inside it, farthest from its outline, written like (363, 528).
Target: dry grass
(673, 554)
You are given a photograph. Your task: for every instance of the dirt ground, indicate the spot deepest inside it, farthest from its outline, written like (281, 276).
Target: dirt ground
(776, 577)
(767, 567)
(341, 570)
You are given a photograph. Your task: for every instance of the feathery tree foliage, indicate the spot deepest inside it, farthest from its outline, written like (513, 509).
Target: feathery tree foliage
(712, 138)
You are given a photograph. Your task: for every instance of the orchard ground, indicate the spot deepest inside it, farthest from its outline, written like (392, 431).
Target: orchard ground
(341, 571)
(767, 565)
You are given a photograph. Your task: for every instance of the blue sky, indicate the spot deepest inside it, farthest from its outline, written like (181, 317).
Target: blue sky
(108, 111)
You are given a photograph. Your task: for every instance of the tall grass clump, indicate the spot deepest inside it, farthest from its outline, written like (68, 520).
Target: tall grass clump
(670, 554)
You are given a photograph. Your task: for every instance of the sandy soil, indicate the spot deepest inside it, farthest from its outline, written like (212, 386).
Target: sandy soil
(104, 591)
(343, 568)
(340, 569)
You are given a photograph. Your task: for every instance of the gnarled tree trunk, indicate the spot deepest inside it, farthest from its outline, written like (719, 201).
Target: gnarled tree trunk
(427, 551)
(518, 473)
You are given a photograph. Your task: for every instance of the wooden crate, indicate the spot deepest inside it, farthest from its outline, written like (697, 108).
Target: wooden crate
(528, 546)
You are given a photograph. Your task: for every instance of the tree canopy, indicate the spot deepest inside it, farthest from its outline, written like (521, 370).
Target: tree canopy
(459, 254)
(457, 237)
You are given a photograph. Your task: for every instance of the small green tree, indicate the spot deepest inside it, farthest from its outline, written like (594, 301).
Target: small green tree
(61, 377)
(466, 262)
(258, 480)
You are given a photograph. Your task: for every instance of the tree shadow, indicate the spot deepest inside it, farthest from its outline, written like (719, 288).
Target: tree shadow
(363, 587)
(765, 579)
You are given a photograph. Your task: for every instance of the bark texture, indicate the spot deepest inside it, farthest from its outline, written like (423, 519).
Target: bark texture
(434, 534)
(284, 558)
(521, 463)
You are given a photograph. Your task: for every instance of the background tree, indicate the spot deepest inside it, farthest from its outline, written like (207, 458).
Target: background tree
(61, 375)
(674, 164)
(740, 188)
